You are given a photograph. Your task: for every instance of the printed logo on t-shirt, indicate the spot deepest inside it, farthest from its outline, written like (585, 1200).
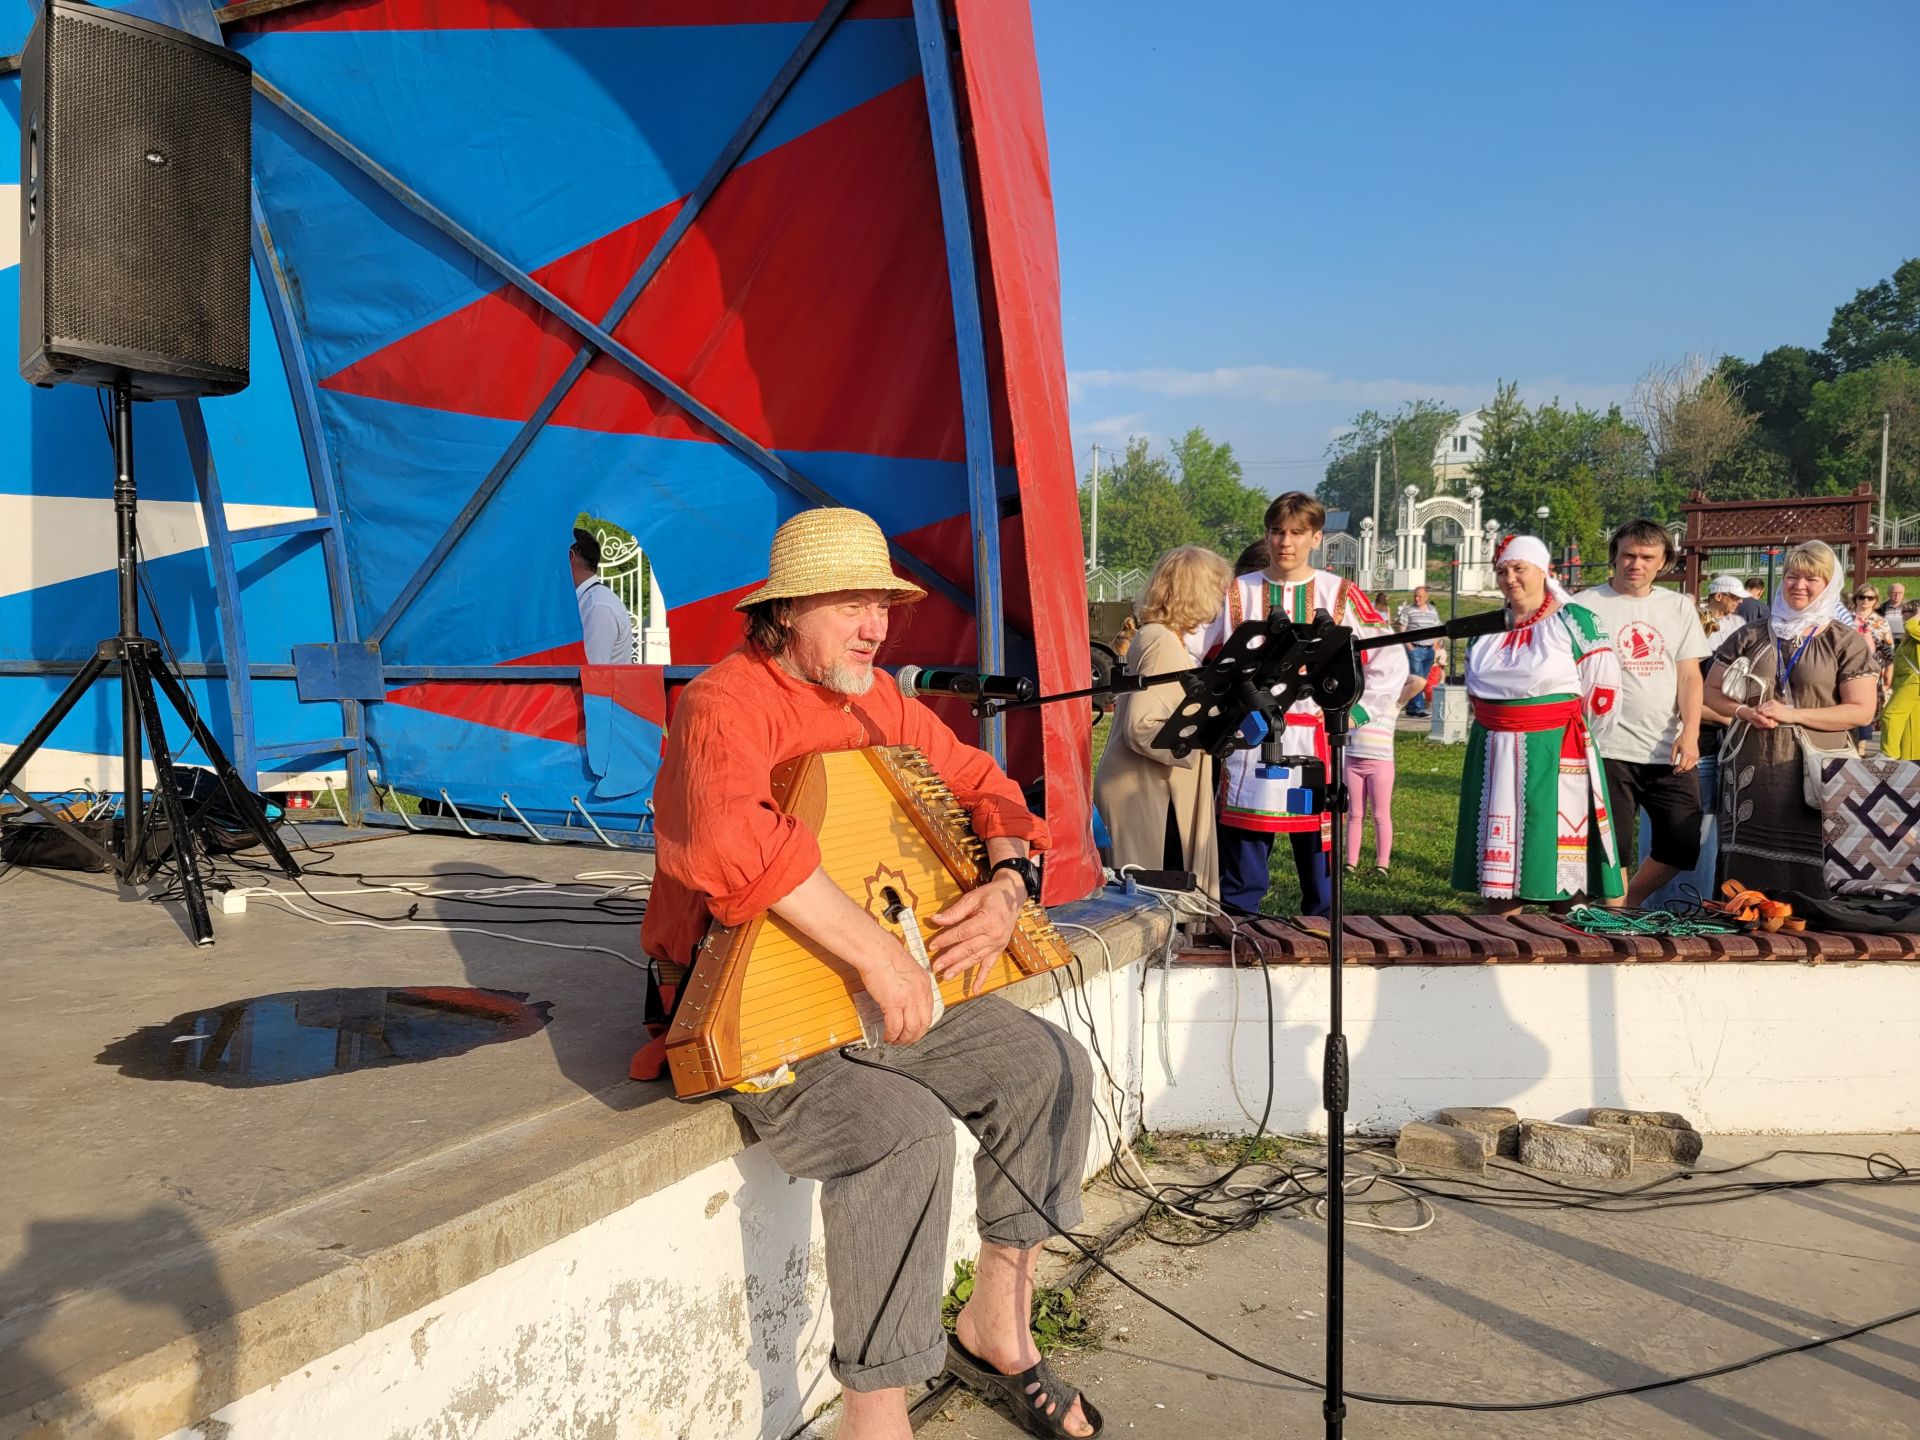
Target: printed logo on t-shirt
(1642, 649)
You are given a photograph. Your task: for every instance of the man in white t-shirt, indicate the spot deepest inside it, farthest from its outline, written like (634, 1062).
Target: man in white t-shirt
(1654, 745)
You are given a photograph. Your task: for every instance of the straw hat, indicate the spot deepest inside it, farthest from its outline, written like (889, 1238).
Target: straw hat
(820, 551)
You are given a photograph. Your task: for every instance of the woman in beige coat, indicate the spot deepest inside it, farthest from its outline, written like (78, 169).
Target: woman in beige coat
(1159, 810)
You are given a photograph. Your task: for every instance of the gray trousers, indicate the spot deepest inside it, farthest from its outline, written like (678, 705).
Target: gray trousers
(883, 1149)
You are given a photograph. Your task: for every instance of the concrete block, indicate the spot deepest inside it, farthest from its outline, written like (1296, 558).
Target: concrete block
(1576, 1149)
(1451, 711)
(1615, 1115)
(1497, 1126)
(1657, 1134)
(1440, 1147)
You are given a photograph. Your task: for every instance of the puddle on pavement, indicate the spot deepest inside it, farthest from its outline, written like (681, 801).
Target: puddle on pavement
(305, 1034)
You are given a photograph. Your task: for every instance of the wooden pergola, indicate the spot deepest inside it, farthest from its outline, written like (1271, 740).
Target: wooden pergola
(1744, 524)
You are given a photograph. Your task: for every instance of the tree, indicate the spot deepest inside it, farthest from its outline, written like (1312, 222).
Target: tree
(1225, 514)
(1696, 424)
(1590, 468)
(1843, 427)
(1141, 513)
(1407, 440)
(1880, 322)
(1776, 390)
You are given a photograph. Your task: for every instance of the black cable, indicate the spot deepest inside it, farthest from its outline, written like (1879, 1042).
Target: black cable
(1405, 1401)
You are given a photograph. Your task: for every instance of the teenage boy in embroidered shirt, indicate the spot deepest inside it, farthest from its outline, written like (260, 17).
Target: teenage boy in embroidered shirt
(1253, 805)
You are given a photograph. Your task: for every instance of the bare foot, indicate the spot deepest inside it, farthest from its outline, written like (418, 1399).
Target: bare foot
(1010, 1355)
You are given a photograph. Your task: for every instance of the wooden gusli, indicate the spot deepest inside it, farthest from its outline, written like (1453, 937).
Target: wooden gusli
(892, 837)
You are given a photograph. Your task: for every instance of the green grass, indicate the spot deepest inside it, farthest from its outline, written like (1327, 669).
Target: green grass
(1426, 807)
(1426, 804)
(1057, 1320)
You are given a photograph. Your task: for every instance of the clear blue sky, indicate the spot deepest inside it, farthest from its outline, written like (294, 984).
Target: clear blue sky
(1272, 215)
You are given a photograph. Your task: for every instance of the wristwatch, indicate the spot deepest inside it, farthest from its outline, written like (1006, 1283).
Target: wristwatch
(1028, 872)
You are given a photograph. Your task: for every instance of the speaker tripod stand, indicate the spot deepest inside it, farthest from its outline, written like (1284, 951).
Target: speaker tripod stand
(144, 677)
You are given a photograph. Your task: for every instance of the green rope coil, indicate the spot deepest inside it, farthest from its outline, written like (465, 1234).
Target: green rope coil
(1602, 920)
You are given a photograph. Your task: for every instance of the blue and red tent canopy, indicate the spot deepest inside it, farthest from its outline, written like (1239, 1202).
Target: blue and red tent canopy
(686, 265)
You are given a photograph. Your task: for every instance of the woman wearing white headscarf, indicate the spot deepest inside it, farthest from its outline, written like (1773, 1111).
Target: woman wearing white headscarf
(1806, 670)
(1533, 808)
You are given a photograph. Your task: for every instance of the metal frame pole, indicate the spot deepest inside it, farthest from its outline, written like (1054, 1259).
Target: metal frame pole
(126, 500)
(937, 54)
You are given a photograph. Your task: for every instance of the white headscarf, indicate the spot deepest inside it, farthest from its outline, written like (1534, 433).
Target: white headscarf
(1826, 607)
(1533, 550)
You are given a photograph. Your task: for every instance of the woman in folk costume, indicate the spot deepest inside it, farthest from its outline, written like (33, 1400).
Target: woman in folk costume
(1159, 809)
(1533, 808)
(1804, 679)
(1253, 805)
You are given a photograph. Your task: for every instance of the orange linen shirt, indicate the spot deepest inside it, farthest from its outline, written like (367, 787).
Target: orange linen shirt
(723, 851)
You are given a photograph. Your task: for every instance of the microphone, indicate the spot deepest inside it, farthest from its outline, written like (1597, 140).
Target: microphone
(916, 680)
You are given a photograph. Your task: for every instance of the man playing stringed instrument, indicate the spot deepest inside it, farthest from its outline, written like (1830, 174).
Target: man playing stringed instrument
(881, 1144)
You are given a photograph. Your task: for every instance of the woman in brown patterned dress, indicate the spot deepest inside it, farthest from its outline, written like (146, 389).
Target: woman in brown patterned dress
(1806, 670)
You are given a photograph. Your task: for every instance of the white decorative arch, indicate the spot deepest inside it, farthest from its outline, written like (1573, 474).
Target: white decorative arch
(1410, 552)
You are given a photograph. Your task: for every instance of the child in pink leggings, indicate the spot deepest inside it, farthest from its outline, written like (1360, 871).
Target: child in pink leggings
(1370, 764)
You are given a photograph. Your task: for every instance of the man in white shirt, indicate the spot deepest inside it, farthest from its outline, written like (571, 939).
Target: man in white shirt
(1654, 745)
(1418, 614)
(605, 625)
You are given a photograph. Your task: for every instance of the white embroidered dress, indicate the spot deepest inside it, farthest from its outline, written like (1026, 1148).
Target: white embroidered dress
(1533, 774)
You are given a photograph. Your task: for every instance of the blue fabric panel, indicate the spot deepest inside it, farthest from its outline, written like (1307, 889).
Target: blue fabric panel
(623, 750)
(254, 436)
(477, 762)
(703, 514)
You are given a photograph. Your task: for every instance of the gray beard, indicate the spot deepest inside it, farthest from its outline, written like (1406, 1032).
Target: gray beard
(844, 679)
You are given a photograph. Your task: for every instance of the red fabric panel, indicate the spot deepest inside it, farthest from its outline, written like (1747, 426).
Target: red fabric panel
(1002, 83)
(547, 710)
(554, 14)
(638, 689)
(808, 305)
(932, 632)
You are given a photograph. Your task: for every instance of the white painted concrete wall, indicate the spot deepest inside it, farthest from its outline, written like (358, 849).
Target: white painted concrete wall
(697, 1313)
(1828, 1049)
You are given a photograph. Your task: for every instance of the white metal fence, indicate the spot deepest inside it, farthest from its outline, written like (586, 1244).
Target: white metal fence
(1104, 584)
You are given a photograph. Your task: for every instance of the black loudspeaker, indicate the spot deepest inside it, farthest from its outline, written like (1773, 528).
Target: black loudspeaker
(136, 149)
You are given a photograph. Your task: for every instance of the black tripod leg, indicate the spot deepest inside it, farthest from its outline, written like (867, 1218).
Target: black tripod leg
(237, 789)
(11, 767)
(166, 795)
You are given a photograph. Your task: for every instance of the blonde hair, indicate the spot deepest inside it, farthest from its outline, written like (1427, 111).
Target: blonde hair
(1185, 590)
(1812, 557)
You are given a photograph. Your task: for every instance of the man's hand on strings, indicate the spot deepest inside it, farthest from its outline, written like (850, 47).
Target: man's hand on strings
(975, 929)
(901, 990)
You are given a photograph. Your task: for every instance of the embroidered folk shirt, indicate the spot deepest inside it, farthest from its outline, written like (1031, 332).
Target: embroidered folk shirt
(723, 851)
(1249, 798)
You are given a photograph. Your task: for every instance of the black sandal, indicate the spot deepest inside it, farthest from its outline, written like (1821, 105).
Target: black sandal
(1036, 1399)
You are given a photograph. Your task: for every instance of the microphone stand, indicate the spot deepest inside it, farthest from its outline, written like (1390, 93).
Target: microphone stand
(1266, 667)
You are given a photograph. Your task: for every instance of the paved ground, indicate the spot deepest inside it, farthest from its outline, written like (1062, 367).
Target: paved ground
(1515, 1305)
